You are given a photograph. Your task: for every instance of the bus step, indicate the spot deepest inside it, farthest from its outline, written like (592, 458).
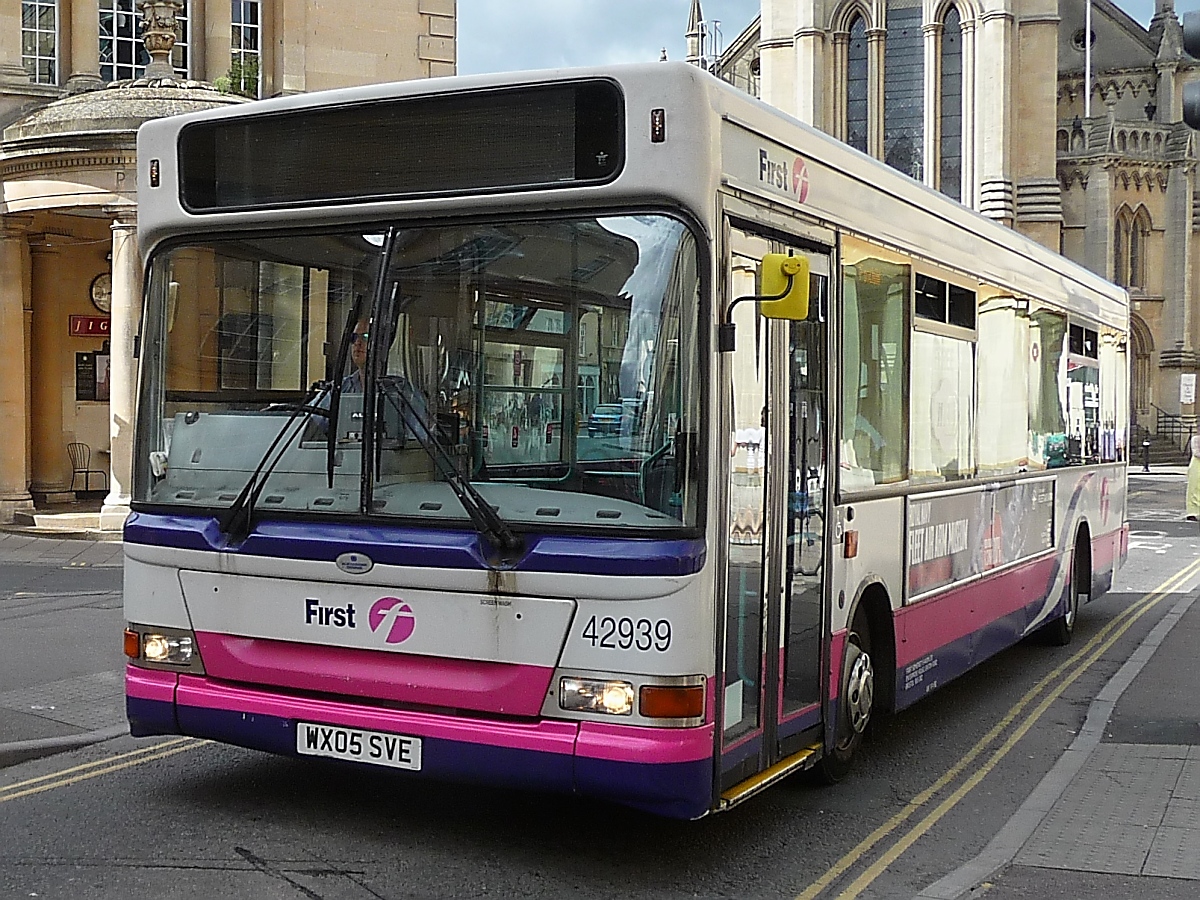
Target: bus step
(781, 769)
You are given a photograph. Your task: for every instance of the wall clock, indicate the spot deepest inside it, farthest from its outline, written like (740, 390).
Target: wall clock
(101, 292)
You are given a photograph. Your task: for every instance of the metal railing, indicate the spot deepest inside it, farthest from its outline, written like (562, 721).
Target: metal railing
(1171, 427)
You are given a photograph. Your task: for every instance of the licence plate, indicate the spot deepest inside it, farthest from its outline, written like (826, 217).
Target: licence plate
(375, 747)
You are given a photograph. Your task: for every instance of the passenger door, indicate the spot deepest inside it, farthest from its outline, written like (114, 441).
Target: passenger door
(775, 387)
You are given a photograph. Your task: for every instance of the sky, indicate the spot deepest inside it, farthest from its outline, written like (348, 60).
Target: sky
(510, 35)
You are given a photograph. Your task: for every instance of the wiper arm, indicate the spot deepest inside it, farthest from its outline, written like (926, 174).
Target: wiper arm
(485, 519)
(237, 520)
(335, 393)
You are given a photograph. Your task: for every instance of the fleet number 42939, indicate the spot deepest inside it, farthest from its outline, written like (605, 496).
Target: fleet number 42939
(624, 633)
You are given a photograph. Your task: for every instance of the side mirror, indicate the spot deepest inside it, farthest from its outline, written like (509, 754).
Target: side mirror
(775, 274)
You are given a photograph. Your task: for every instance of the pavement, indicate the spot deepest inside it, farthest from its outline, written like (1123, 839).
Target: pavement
(1118, 814)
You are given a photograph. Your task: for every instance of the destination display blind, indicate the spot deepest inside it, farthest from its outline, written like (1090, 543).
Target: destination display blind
(484, 141)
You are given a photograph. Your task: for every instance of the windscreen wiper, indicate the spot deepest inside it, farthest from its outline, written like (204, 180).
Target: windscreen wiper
(237, 520)
(484, 517)
(335, 392)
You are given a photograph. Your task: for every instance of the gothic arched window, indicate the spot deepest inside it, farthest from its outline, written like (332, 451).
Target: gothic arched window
(856, 85)
(1139, 232)
(950, 110)
(904, 89)
(1120, 247)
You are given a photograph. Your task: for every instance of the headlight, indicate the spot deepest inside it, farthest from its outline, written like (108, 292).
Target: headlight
(163, 648)
(158, 647)
(593, 695)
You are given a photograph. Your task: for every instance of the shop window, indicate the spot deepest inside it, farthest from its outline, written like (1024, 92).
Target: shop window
(122, 53)
(39, 40)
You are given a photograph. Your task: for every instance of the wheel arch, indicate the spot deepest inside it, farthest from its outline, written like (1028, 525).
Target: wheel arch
(873, 601)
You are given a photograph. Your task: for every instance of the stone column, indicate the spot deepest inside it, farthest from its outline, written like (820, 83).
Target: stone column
(777, 55)
(50, 468)
(994, 97)
(85, 49)
(932, 150)
(11, 69)
(875, 98)
(126, 315)
(970, 184)
(218, 35)
(812, 92)
(15, 284)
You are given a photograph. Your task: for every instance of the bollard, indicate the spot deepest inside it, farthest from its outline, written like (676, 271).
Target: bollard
(1145, 456)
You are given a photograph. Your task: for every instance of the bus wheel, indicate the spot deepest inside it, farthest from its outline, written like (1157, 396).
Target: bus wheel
(1058, 633)
(855, 704)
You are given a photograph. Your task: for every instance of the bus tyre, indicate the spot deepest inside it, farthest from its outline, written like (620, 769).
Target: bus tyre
(856, 702)
(1058, 633)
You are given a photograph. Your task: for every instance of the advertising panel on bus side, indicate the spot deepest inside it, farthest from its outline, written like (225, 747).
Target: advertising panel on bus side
(958, 536)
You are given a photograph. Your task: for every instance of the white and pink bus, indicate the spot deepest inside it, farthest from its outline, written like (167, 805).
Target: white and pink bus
(455, 454)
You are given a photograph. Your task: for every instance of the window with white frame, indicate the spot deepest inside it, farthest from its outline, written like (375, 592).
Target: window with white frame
(39, 40)
(122, 53)
(245, 69)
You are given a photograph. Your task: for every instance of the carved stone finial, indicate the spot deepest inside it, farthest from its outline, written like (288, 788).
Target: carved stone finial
(159, 35)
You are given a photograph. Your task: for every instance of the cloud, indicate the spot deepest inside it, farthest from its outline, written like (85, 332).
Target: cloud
(501, 35)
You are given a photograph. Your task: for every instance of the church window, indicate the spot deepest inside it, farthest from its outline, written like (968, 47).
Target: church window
(951, 106)
(1120, 242)
(39, 40)
(122, 54)
(1139, 231)
(856, 85)
(904, 89)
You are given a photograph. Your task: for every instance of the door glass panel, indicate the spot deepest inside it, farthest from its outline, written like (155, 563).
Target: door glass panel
(747, 480)
(806, 507)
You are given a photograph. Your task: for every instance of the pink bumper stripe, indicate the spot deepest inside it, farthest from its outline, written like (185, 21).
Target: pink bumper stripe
(491, 687)
(926, 625)
(647, 745)
(548, 737)
(150, 684)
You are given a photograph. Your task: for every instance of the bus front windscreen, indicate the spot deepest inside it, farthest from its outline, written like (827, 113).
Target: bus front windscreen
(552, 364)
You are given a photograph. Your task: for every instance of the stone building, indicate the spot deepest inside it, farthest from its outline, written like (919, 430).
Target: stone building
(77, 78)
(985, 100)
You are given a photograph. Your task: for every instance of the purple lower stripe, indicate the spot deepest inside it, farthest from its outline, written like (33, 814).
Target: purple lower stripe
(424, 547)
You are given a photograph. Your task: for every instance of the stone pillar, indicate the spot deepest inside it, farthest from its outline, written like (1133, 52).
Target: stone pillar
(85, 49)
(777, 54)
(812, 92)
(993, 99)
(1038, 200)
(970, 183)
(15, 284)
(931, 152)
(875, 99)
(218, 37)
(126, 315)
(11, 69)
(289, 66)
(1098, 231)
(49, 465)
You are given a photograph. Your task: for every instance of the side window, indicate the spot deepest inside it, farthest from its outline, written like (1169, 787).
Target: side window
(1005, 368)
(875, 304)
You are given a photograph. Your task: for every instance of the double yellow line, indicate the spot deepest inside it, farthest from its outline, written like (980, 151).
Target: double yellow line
(95, 769)
(1061, 677)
